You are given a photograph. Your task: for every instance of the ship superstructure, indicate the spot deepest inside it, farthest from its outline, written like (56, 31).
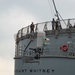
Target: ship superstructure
(46, 51)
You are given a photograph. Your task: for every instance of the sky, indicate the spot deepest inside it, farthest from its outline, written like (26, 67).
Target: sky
(16, 14)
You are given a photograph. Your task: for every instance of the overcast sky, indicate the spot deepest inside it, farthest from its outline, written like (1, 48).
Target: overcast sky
(15, 14)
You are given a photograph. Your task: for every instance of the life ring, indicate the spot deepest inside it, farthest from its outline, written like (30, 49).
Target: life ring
(64, 48)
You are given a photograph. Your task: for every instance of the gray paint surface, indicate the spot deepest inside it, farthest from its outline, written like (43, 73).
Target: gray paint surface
(53, 61)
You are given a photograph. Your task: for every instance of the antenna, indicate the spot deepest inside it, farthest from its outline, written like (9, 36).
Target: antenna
(55, 9)
(57, 13)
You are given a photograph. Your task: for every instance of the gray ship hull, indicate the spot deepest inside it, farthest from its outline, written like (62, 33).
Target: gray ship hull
(46, 66)
(50, 52)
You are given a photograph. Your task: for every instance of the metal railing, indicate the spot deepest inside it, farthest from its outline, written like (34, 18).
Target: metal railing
(43, 26)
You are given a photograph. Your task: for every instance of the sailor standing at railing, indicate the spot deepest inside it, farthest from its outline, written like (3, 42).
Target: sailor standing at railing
(57, 24)
(74, 25)
(69, 24)
(32, 28)
(53, 24)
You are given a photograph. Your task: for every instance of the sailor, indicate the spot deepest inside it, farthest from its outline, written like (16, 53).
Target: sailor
(53, 24)
(32, 27)
(59, 25)
(74, 25)
(56, 24)
(70, 26)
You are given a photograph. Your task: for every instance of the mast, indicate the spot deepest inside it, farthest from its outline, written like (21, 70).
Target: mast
(56, 10)
(57, 13)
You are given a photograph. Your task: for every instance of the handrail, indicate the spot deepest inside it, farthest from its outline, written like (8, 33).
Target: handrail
(43, 26)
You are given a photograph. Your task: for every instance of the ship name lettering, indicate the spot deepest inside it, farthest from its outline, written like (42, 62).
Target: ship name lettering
(42, 70)
(35, 70)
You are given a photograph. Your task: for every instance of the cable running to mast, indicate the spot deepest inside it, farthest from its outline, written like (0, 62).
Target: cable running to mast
(50, 8)
(57, 13)
(55, 9)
